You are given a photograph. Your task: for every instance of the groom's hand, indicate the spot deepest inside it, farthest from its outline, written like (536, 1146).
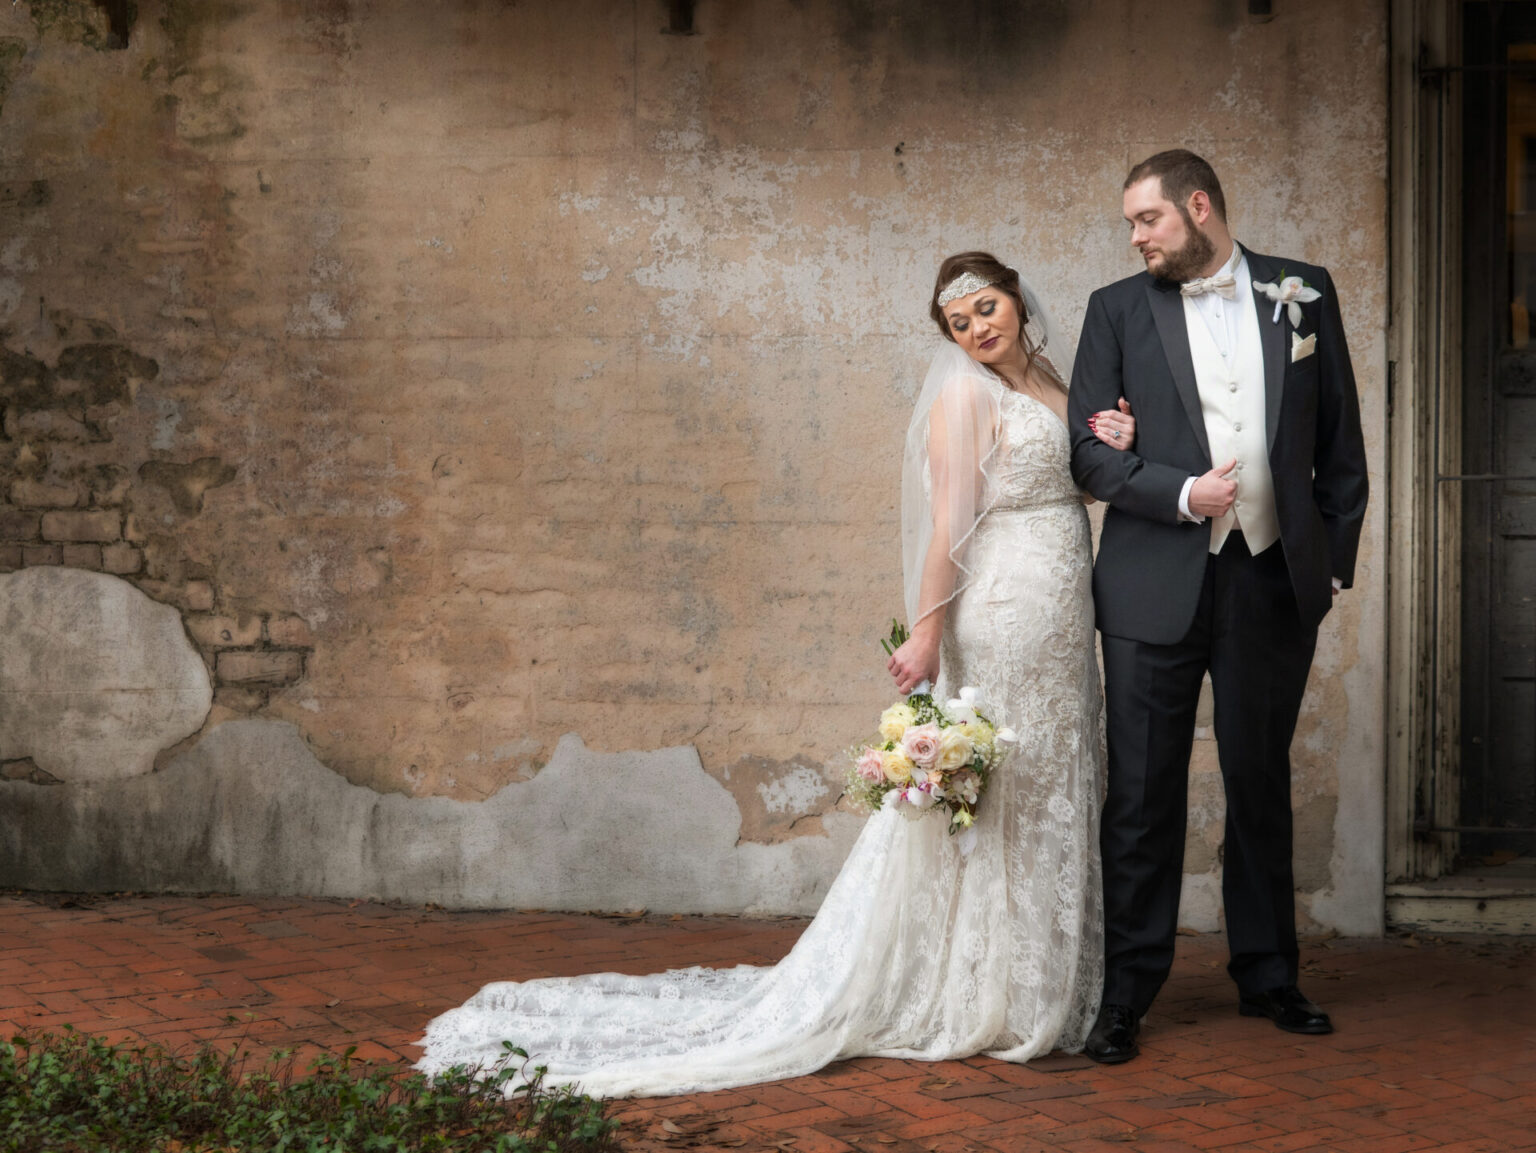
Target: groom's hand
(1212, 494)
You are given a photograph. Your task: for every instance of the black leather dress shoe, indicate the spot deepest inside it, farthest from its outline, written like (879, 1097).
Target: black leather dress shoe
(1113, 1037)
(1287, 1008)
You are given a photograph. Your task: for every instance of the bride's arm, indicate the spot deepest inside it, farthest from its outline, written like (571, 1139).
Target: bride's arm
(918, 659)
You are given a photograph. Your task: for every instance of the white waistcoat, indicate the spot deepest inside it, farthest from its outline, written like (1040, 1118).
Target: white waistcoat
(1232, 401)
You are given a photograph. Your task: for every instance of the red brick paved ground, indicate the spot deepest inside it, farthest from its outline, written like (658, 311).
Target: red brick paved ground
(1436, 1045)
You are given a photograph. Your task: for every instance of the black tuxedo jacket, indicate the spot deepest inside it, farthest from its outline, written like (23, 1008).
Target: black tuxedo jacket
(1150, 566)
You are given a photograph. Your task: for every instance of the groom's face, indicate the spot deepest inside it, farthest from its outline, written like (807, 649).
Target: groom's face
(1172, 244)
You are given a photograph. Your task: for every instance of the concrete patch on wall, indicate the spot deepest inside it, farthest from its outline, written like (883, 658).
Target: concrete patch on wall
(249, 809)
(95, 678)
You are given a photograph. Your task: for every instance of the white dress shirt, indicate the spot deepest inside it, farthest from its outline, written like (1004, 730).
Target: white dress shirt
(1222, 320)
(1221, 317)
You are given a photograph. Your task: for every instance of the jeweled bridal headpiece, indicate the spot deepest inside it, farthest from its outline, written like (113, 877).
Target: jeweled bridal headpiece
(963, 285)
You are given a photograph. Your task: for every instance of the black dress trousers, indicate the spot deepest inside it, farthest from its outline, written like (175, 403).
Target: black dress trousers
(1248, 633)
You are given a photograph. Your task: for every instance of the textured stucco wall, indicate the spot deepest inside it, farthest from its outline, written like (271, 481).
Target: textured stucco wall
(472, 374)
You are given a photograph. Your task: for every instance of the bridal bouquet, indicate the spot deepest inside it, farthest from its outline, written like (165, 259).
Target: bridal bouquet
(929, 758)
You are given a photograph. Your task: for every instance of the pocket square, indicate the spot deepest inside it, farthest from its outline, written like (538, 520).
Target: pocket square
(1301, 349)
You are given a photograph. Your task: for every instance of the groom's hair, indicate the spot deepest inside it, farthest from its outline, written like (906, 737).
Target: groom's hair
(1182, 174)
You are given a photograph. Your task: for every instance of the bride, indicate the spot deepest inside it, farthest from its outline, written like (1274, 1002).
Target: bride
(920, 950)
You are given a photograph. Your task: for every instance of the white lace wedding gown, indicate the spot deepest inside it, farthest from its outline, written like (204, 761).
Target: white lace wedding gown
(917, 951)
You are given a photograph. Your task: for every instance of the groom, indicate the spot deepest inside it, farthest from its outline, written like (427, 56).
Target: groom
(1231, 526)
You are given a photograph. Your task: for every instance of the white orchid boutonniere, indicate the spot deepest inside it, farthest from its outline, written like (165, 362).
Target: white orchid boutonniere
(1291, 293)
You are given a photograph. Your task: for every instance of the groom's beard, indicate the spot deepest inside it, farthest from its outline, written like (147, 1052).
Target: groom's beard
(1188, 261)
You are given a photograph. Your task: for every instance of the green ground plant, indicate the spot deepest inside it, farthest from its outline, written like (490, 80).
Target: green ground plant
(70, 1092)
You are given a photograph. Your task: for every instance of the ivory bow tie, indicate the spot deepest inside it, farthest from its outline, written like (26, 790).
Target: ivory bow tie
(1224, 284)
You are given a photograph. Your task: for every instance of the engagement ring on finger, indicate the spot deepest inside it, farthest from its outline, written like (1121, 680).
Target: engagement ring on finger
(1115, 433)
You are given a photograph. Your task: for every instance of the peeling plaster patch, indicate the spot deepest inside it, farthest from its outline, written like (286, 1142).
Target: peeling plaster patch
(572, 202)
(95, 678)
(796, 791)
(249, 809)
(776, 798)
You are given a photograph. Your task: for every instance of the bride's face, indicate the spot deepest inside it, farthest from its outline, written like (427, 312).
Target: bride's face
(986, 325)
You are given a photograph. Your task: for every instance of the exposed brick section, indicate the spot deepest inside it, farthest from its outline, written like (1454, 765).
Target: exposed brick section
(10, 557)
(166, 592)
(116, 480)
(40, 494)
(122, 559)
(100, 525)
(289, 631)
(1432, 1049)
(199, 597)
(241, 700)
(49, 425)
(41, 554)
(134, 529)
(224, 632)
(86, 556)
(16, 524)
(263, 667)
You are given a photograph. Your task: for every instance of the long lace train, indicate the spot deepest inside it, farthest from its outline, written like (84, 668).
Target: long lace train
(918, 951)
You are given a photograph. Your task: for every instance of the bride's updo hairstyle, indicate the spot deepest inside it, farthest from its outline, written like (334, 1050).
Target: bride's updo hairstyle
(993, 271)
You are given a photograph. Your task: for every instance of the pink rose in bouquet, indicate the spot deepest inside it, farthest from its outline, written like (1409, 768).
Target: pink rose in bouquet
(921, 744)
(871, 765)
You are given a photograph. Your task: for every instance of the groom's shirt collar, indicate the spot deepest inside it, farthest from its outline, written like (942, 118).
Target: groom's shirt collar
(1222, 317)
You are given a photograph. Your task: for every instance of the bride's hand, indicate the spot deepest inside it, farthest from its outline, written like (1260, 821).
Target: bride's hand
(914, 662)
(1115, 427)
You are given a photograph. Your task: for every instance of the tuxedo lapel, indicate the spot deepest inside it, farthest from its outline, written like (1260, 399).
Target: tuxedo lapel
(1272, 338)
(1168, 313)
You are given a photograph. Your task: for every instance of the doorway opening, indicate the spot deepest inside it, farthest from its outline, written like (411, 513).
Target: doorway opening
(1462, 393)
